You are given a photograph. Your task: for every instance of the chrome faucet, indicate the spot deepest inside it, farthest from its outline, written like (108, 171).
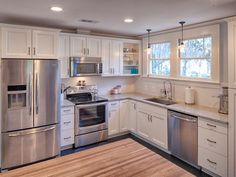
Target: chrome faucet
(168, 93)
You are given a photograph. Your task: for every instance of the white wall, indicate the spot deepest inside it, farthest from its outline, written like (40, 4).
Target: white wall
(105, 84)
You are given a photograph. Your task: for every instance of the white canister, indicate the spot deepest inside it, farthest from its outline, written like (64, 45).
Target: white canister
(189, 95)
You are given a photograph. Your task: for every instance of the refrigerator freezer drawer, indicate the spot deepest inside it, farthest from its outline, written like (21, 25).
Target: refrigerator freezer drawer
(23, 147)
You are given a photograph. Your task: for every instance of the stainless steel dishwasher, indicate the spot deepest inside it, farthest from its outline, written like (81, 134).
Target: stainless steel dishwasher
(183, 136)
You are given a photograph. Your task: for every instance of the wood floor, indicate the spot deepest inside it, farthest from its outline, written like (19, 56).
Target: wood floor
(123, 158)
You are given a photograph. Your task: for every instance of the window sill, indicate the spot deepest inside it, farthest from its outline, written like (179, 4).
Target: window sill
(183, 79)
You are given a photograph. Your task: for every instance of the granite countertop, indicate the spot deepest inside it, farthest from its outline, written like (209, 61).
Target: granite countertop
(66, 103)
(200, 111)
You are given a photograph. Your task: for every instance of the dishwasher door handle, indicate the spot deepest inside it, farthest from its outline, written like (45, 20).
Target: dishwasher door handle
(184, 119)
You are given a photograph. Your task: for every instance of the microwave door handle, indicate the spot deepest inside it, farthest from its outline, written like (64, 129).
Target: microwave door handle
(98, 68)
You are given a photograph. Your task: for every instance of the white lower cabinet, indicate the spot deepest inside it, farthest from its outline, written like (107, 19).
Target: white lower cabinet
(114, 118)
(159, 130)
(132, 122)
(143, 125)
(152, 124)
(67, 126)
(124, 115)
(212, 146)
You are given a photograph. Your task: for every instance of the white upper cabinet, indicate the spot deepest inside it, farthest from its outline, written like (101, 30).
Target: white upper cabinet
(106, 57)
(85, 46)
(93, 47)
(45, 44)
(16, 43)
(64, 54)
(232, 53)
(112, 56)
(77, 46)
(117, 57)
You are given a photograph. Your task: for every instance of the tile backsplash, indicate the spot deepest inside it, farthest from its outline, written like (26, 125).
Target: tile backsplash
(104, 84)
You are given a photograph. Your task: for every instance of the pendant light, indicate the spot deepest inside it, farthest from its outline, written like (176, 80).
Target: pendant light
(149, 45)
(181, 41)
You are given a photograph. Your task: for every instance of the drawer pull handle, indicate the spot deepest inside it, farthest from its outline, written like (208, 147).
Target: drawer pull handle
(211, 141)
(66, 110)
(113, 104)
(211, 162)
(210, 125)
(67, 138)
(67, 122)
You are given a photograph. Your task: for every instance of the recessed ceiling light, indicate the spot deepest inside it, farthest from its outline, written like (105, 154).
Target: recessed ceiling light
(56, 9)
(128, 20)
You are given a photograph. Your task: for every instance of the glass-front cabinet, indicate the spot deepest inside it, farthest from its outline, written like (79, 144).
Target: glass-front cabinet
(131, 58)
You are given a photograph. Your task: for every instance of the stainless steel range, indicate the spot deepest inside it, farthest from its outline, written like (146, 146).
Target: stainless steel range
(91, 124)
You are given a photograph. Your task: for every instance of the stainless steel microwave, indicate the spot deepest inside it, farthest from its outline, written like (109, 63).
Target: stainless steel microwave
(85, 66)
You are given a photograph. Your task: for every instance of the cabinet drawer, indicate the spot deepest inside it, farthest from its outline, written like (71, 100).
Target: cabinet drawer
(67, 122)
(153, 109)
(67, 137)
(67, 110)
(213, 141)
(114, 104)
(212, 161)
(211, 125)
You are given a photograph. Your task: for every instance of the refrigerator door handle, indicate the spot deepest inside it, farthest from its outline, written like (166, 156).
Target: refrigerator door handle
(30, 96)
(29, 133)
(36, 93)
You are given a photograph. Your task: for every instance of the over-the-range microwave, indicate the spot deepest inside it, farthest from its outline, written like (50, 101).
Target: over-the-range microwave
(85, 66)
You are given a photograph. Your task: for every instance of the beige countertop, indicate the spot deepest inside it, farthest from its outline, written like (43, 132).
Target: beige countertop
(200, 111)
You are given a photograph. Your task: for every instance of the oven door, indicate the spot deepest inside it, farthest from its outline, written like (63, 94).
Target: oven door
(91, 118)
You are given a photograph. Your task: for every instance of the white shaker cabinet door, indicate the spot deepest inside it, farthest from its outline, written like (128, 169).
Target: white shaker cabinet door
(45, 44)
(64, 43)
(158, 131)
(124, 115)
(114, 118)
(143, 124)
(77, 46)
(16, 43)
(232, 54)
(93, 47)
(132, 116)
(106, 53)
(116, 61)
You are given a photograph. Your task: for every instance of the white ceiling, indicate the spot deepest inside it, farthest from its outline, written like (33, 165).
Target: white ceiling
(154, 14)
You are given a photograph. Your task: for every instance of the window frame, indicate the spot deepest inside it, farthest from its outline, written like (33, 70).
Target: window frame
(197, 58)
(162, 59)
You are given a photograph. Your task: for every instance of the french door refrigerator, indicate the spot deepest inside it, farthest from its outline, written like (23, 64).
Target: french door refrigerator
(30, 111)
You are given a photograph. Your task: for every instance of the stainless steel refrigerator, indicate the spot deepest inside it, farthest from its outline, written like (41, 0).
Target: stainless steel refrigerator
(30, 94)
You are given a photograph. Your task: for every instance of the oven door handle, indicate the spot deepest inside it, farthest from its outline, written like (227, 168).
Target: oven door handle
(91, 105)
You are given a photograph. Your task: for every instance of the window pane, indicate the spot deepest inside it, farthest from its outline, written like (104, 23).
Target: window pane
(195, 48)
(196, 68)
(160, 67)
(160, 51)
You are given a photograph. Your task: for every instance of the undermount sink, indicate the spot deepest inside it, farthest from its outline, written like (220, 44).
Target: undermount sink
(161, 101)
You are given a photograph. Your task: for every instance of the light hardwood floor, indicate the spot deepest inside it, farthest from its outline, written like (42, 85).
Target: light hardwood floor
(123, 158)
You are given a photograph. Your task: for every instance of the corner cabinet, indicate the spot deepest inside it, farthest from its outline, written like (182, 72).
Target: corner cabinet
(29, 43)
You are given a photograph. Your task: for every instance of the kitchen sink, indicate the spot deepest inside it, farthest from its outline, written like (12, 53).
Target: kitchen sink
(161, 101)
